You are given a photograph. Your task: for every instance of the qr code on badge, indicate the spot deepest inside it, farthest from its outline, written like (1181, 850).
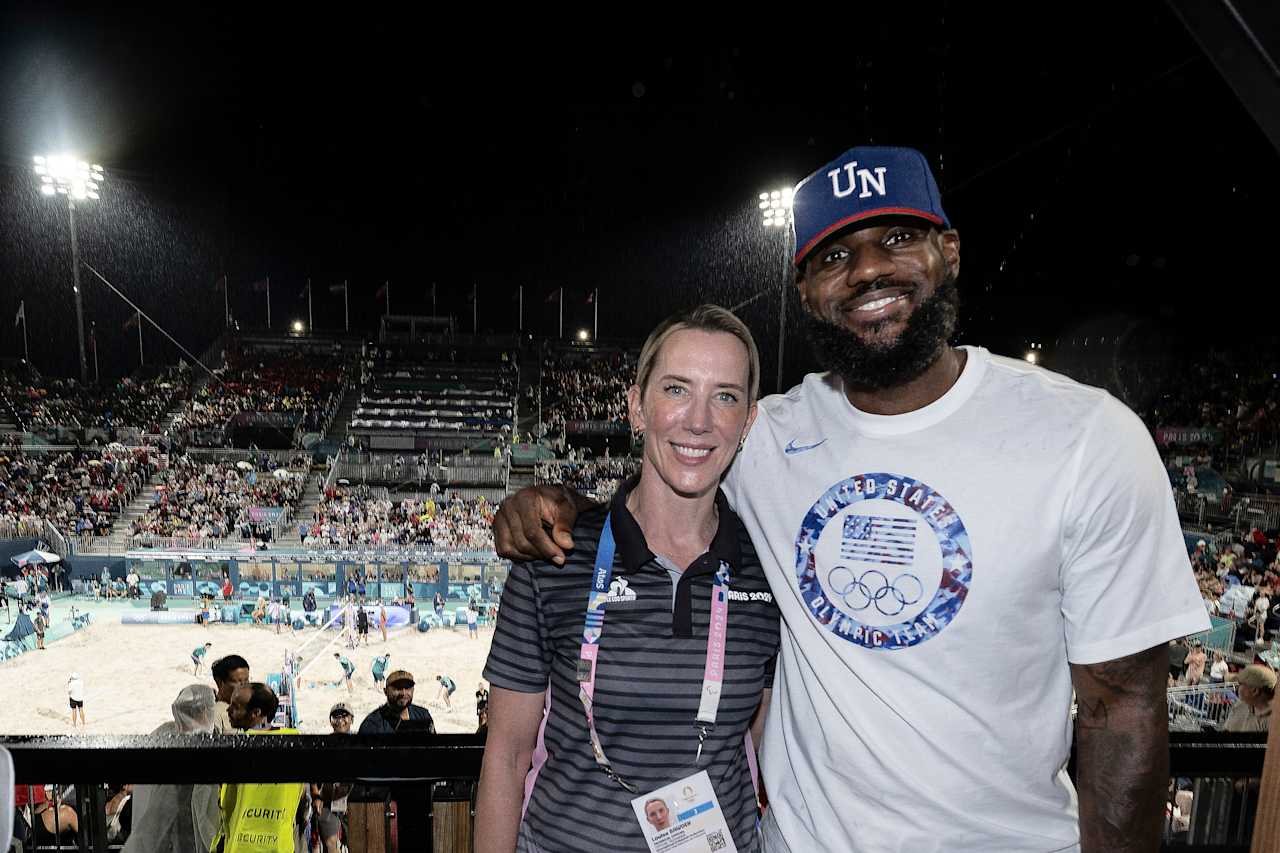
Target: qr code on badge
(715, 840)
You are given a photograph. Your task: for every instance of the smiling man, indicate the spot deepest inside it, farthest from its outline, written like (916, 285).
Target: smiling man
(955, 541)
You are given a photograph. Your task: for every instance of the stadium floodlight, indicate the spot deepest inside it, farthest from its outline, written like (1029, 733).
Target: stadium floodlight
(1032, 357)
(775, 210)
(79, 181)
(584, 335)
(297, 325)
(775, 207)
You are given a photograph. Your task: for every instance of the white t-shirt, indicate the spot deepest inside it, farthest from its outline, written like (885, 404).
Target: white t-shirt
(75, 689)
(471, 616)
(936, 572)
(1218, 672)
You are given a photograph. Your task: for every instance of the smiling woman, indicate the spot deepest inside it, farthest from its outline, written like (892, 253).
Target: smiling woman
(686, 601)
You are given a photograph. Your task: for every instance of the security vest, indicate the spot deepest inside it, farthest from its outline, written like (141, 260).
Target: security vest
(258, 818)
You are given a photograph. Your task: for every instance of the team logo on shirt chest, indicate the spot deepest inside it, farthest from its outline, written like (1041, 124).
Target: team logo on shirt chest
(883, 561)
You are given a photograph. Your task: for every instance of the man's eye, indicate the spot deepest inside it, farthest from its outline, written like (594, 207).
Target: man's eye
(835, 256)
(898, 237)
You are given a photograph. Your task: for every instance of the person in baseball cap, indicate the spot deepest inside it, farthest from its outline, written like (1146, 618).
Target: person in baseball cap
(876, 267)
(341, 716)
(386, 718)
(1256, 685)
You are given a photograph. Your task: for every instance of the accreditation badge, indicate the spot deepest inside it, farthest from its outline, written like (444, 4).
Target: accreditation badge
(684, 816)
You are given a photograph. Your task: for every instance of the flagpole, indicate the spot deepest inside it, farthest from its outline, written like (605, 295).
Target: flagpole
(311, 321)
(268, 302)
(433, 299)
(346, 306)
(562, 313)
(93, 337)
(520, 322)
(595, 321)
(388, 306)
(475, 301)
(26, 353)
(226, 304)
(141, 360)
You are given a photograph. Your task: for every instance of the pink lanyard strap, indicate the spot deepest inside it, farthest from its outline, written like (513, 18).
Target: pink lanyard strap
(593, 628)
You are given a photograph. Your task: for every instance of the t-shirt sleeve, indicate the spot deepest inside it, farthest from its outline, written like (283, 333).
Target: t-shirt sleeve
(1127, 583)
(520, 656)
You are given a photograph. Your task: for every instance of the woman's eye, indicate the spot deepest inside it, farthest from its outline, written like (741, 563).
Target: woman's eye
(675, 390)
(728, 397)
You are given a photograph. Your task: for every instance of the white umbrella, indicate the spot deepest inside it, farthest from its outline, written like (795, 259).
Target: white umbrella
(244, 466)
(95, 462)
(281, 474)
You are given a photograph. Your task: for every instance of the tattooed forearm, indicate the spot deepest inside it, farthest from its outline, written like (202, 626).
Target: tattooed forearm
(1122, 749)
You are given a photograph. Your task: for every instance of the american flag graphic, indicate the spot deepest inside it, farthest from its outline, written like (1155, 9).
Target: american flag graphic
(879, 539)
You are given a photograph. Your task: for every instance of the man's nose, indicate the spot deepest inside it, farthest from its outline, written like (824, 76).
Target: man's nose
(870, 262)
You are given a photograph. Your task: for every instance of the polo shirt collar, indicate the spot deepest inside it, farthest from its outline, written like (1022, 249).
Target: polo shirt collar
(635, 552)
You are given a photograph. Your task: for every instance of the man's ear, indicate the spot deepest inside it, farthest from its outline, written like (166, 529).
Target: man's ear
(799, 284)
(949, 245)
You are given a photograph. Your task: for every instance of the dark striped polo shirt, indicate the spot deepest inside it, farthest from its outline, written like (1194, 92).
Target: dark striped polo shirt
(648, 678)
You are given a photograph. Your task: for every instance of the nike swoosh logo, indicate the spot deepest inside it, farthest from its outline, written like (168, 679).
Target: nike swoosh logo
(792, 448)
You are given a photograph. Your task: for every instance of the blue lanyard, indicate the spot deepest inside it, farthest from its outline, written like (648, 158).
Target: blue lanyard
(593, 627)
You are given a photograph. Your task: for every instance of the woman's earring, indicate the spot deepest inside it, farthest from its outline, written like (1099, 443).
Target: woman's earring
(637, 436)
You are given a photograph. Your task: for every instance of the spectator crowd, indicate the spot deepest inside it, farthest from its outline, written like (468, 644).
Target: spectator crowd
(291, 383)
(35, 403)
(576, 387)
(81, 491)
(597, 479)
(355, 516)
(198, 500)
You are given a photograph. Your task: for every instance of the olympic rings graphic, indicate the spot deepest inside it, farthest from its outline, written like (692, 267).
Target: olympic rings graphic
(858, 593)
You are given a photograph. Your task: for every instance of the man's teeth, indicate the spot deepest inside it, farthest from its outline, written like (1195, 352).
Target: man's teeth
(877, 304)
(694, 452)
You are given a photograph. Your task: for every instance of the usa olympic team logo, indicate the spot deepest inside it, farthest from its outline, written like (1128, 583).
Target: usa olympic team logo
(883, 561)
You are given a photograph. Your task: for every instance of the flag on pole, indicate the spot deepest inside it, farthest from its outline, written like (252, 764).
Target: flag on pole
(338, 288)
(306, 291)
(131, 322)
(381, 292)
(555, 294)
(21, 316)
(261, 285)
(591, 297)
(220, 283)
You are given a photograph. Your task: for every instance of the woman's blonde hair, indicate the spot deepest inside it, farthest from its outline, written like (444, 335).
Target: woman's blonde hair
(704, 318)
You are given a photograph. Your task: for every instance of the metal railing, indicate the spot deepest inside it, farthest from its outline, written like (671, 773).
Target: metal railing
(57, 543)
(1200, 707)
(1213, 777)
(279, 458)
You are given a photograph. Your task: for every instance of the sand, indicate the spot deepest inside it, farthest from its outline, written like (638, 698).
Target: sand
(132, 673)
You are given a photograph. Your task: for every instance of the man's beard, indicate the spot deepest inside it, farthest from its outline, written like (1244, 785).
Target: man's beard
(874, 367)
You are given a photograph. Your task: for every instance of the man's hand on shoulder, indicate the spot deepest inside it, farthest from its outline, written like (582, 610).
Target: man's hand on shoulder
(536, 523)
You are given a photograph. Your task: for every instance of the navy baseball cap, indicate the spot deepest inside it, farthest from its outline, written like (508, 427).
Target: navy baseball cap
(861, 183)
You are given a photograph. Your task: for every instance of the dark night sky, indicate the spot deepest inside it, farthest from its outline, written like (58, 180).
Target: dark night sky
(1095, 162)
